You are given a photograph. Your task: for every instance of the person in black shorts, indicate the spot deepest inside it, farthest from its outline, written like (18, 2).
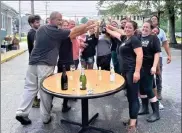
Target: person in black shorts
(151, 52)
(132, 56)
(88, 53)
(65, 58)
(34, 22)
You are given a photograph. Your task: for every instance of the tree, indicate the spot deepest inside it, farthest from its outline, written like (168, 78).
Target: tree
(172, 6)
(169, 7)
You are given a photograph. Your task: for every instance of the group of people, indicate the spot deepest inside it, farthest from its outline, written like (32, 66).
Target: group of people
(136, 55)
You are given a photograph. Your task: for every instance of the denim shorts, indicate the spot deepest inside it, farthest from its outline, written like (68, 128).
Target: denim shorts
(89, 60)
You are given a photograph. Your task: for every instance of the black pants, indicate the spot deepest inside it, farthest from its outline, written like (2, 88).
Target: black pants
(60, 69)
(132, 94)
(104, 62)
(146, 84)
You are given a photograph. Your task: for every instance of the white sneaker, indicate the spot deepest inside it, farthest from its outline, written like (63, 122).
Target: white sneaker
(161, 107)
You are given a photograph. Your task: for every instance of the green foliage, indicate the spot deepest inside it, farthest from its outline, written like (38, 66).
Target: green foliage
(178, 25)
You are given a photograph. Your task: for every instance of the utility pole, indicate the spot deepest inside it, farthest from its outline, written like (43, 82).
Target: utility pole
(32, 7)
(19, 20)
(1, 21)
(46, 5)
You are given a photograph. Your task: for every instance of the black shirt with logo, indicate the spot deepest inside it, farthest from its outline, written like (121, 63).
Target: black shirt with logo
(127, 54)
(91, 42)
(150, 46)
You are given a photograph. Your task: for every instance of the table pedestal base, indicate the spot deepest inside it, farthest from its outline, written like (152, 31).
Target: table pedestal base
(84, 128)
(85, 125)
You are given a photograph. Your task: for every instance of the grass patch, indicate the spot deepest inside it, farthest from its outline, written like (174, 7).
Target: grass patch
(23, 39)
(178, 40)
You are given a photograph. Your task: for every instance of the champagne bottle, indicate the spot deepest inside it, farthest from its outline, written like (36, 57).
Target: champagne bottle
(100, 75)
(64, 79)
(112, 74)
(83, 80)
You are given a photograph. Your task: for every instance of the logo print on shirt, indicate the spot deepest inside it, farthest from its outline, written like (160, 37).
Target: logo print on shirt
(123, 44)
(145, 43)
(89, 39)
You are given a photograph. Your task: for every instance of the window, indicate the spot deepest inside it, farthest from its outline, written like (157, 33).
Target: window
(117, 17)
(134, 17)
(3, 26)
(121, 16)
(138, 17)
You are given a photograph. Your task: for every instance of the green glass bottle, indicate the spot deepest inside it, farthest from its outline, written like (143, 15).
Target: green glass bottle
(83, 80)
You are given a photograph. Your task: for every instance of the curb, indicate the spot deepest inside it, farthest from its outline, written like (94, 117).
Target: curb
(13, 56)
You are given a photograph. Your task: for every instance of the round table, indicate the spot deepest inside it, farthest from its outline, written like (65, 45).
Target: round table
(98, 83)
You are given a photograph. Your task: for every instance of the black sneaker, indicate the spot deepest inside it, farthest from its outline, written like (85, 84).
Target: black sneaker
(23, 120)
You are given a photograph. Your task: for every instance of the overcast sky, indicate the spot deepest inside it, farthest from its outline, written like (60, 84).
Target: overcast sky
(67, 8)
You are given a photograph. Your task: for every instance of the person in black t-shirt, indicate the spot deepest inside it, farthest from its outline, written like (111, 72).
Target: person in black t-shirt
(132, 56)
(65, 58)
(42, 62)
(151, 51)
(88, 53)
(34, 22)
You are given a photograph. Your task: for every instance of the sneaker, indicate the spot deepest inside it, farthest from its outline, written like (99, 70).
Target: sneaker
(161, 107)
(23, 120)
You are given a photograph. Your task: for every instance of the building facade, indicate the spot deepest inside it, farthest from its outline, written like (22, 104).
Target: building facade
(139, 18)
(7, 16)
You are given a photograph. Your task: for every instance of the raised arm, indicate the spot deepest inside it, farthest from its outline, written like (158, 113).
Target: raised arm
(83, 28)
(97, 30)
(114, 34)
(115, 29)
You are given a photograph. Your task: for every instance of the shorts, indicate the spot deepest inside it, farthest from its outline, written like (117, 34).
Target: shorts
(89, 60)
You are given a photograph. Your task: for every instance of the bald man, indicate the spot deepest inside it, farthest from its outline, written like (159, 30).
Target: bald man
(42, 63)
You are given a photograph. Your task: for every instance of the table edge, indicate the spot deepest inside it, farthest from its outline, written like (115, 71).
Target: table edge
(81, 97)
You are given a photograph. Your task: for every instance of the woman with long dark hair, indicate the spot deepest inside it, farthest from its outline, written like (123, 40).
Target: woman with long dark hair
(132, 57)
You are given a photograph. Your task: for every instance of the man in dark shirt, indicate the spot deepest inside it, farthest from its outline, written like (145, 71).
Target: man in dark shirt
(123, 23)
(115, 42)
(34, 22)
(42, 62)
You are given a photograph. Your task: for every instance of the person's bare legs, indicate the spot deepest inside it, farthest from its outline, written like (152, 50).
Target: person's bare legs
(83, 63)
(90, 66)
